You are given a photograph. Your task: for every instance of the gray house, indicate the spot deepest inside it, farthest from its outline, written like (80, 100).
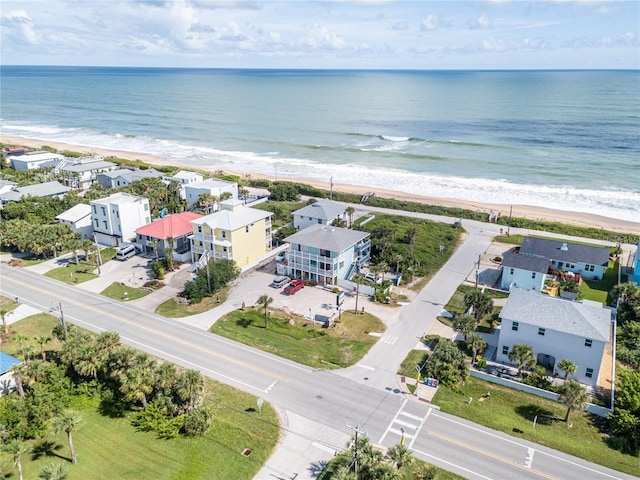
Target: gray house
(523, 271)
(324, 254)
(587, 260)
(47, 189)
(323, 212)
(123, 177)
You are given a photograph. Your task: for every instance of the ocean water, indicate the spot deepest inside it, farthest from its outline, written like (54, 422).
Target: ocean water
(560, 139)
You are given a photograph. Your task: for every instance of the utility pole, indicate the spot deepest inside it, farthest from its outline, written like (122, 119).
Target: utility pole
(356, 429)
(331, 189)
(509, 224)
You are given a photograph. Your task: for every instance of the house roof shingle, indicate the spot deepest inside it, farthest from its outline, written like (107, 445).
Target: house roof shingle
(574, 252)
(75, 213)
(175, 225)
(323, 209)
(231, 221)
(334, 239)
(525, 262)
(46, 189)
(586, 319)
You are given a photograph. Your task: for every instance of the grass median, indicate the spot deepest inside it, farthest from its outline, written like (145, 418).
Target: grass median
(339, 346)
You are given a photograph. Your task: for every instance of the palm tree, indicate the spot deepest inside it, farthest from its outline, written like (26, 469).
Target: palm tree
(52, 471)
(574, 396)
(168, 252)
(68, 422)
(243, 192)
(16, 450)
(265, 301)
(400, 455)
(350, 211)
(568, 367)
(5, 327)
(191, 388)
(42, 341)
(17, 374)
(137, 382)
(477, 344)
(480, 301)
(523, 355)
(464, 324)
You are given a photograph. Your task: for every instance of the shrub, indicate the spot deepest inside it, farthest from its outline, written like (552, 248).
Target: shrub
(197, 422)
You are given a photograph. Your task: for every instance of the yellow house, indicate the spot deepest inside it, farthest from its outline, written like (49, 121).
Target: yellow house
(235, 232)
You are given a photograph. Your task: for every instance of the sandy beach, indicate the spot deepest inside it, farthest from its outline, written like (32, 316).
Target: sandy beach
(526, 211)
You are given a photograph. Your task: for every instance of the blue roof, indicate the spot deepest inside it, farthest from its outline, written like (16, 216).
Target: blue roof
(7, 361)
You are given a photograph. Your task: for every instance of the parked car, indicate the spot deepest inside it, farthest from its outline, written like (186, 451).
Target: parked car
(293, 287)
(372, 278)
(281, 256)
(280, 281)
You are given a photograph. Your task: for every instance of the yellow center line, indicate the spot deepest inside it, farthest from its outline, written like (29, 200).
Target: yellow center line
(188, 344)
(489, 454)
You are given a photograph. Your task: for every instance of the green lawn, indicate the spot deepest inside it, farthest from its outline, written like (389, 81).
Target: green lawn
(281, 211)
(110, 448)
(173, 309)
(512, 412)
(72, 273)
(408, 366)
(599, 290)
(118, 291)
(339, 346)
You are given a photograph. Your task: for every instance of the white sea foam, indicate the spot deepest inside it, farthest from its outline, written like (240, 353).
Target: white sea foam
(394, 139)
(612, 203)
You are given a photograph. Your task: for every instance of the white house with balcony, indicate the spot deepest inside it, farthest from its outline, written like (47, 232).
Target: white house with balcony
(235, 232)
(524, 272)
(184, 177)
(324, 254)
(211, 186)
(557, 329)
(83, 172)
(322, 212)
(117, 217)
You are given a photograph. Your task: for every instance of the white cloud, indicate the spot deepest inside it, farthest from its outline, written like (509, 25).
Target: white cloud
(320, 37)
(430, 22)
(481, 22)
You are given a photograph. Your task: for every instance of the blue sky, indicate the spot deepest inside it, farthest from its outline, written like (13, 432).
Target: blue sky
(375, 34)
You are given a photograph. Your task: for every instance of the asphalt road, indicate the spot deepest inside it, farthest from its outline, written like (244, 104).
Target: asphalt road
(365, 395)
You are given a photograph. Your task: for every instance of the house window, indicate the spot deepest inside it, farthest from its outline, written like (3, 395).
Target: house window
(591, 267)
(588, 342)
(146, 207)
(105, 223)
(514, 326)
(325, 253)
(319, 220)
(104, 211)
(224, 234)
(505, 350)
(533, 274)
(97, 223)
(314, 263)
(511, 272)
(589, 373)
(541, 331)
(199, 228)
(94, 209)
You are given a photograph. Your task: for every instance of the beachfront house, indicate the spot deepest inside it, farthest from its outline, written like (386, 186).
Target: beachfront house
(183, 177)
(235, 232)
(26, 160)
(326, 254)
(172, 231)
(213, 187)
(557, 329)
(83, 171)
(124, 176)
(523, 271)
(78, 218)
(47, 189)
(6, 186)
(116, 218)
(322, 212)
(589, 261)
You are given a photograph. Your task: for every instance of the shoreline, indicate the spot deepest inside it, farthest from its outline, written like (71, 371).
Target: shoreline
(523, 211)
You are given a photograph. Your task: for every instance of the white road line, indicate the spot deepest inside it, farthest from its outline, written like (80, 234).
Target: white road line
(420, 427)
(365, 366)
(399, 433)
(529, 460)
(406, 424)
(324, 447)
(271, 386)
(452, 464)
(392, 421)
(415, 417)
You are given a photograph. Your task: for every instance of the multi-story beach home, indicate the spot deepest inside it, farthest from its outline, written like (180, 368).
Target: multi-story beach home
(557, 329)
(325, 254)
(124, 176)
(523, 271)
(82, 172)
(235, 232)
(212, 186)
(322, 212)
(26, 160)
(184, 177)
(116, 218)
(588, 261)
(78, 218)
(171, 231)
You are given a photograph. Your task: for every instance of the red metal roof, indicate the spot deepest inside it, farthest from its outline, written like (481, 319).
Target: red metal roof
(174, 225)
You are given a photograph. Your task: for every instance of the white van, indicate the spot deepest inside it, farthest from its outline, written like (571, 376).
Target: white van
(125, 252)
